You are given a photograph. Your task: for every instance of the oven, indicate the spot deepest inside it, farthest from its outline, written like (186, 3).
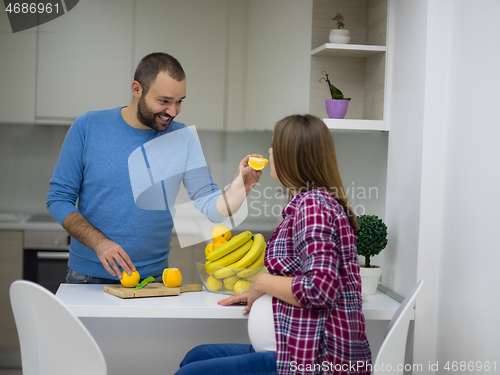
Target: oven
(45, 257)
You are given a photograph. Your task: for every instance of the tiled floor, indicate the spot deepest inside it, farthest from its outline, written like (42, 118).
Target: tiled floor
(10, 371)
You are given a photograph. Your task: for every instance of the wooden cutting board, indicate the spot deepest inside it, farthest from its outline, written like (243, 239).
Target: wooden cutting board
(150, 290)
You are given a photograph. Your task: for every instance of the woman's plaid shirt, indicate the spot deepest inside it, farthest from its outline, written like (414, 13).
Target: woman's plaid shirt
(316, 245)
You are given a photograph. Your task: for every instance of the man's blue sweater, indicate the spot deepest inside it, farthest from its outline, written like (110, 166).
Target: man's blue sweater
(124, 180)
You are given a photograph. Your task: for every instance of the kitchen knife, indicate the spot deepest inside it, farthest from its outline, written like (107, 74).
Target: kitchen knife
(145, 282)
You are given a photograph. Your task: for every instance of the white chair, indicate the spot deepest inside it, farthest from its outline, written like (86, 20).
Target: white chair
(53, 340)
(391, 356)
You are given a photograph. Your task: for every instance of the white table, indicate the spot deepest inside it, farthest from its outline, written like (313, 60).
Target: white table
(151, 335)
(90, 301)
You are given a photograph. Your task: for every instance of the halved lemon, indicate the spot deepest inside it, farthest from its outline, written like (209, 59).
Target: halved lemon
(172, 277)
(257, 163)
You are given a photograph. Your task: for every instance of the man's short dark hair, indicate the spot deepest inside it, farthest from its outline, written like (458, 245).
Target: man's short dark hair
(154, 63)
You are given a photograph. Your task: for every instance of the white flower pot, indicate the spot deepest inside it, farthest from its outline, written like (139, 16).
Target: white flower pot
(340, 36)
(369, 279)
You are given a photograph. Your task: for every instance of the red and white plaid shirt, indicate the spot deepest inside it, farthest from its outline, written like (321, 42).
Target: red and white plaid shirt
(316, 245)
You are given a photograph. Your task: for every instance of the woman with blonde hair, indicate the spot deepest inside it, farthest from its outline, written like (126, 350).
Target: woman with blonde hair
(305, 314)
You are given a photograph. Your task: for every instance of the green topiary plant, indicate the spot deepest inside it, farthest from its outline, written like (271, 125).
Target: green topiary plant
(372, 236)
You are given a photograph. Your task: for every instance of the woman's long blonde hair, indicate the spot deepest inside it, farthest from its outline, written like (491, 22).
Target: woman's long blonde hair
(305, 159)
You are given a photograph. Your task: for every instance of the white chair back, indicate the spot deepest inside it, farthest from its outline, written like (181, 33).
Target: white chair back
(391, 356)
(53, 340)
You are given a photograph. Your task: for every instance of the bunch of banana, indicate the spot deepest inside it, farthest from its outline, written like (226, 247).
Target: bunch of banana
(235, 263)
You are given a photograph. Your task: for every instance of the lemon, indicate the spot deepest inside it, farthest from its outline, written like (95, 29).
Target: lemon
(214, 284)
(257, 163)
(241, 286)
(221, 232)
(130, 281)
(230, 281)
(209, 248)
(172, 277)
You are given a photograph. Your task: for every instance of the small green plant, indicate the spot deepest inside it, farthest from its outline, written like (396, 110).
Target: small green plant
(334, 92)
(372, 237)
(340, 20)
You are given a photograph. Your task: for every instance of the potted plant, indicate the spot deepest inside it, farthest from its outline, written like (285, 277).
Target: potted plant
(372, 239)
(336, 107)
(338, 35)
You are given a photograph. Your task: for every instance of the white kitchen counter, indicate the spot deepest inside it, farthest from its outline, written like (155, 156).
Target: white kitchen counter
(19, 221)
(90, 301)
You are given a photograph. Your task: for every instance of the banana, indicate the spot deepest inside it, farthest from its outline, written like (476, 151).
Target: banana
(241, 286)
(255, 267)
(222, 273)
(247, 272)
(252, 276)
(258, 247)
(233, 256)
(230, 281)
(259, 262)
(230, 245)
(209, 270)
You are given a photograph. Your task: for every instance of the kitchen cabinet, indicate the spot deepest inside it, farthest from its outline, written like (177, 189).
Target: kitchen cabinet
(11, 269)
(17, 73)
(277, 61)
(84, 61)
(246, 62)
(359, 69)
(195, 32)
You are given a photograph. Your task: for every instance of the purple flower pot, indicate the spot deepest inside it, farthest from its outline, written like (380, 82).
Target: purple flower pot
(336, 108)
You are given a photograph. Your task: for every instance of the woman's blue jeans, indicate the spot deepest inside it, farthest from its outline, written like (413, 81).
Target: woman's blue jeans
(227, 359)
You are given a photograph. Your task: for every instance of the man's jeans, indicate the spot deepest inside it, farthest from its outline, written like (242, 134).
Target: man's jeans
(73, 277)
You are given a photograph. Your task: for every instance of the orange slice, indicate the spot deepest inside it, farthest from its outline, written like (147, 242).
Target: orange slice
(257, 163)
(172, 277)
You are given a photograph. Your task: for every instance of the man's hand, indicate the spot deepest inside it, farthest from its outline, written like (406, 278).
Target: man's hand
(250, 176)
(109, 253)
(244, 180)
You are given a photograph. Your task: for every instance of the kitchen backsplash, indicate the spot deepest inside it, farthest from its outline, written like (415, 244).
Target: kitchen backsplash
(28, 154)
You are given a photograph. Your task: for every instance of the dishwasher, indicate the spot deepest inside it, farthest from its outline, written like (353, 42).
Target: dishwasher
(45, 257)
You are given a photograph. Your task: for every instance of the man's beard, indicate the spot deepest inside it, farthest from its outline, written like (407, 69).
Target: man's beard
(150, 119)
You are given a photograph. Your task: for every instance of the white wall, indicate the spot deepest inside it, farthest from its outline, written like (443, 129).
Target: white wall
(468, 324)
(404, 165)
(442, 202)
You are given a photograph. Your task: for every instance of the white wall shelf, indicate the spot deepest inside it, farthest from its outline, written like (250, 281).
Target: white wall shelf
(354, 124)
(358, 69)
(347, 50)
